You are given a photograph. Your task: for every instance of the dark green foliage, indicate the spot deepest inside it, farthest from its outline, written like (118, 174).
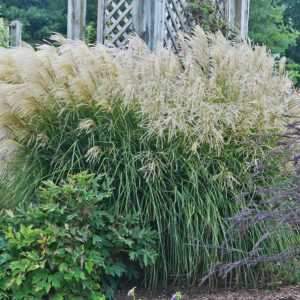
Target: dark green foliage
(91, 33)
(293, 70)
(40, 18)
(276, 25)
(267, 26)
(3, 32)
(208, 15)
(66, 245)
(292, 16)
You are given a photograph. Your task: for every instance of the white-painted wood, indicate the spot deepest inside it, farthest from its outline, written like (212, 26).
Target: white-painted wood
(157, 22)
(148, 21)
(101, 21)
(231, 11)
(76, 19)
(116, 19)
(245, 18)
(15, 34)
(176, 21)
(238, 15)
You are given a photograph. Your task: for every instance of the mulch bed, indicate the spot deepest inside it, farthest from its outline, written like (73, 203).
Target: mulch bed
(281, 293)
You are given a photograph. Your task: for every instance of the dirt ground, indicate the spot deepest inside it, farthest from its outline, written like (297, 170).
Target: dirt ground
(282, 293)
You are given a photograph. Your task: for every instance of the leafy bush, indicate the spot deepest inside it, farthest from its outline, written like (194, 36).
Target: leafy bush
(3, 33)
(65, 246)
(170, 129)
(267, 26)
(210, 15)
(293, 70)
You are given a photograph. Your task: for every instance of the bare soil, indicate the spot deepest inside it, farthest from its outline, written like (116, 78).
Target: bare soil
(281, 293)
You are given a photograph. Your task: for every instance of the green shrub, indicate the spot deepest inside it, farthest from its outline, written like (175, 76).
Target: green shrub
(3, 33)
(210, 15)
(170, 129)
(65, 246)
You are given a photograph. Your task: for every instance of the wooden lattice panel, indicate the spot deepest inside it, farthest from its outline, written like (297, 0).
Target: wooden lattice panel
(117, 22)
(176, 21)
(117, 18)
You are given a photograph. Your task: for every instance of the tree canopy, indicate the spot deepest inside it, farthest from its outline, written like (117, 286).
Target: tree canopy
(292, 15)
(40, 17)
(276, 24)
(267, 26)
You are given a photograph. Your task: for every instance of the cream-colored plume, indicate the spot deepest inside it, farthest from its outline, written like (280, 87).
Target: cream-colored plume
(212, 87)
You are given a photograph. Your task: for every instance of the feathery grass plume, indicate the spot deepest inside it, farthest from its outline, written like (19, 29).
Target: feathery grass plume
(171, 129)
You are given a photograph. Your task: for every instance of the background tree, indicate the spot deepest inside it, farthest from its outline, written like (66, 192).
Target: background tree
(274, 24)
(292, 16)
(267, 26)
(42, 17)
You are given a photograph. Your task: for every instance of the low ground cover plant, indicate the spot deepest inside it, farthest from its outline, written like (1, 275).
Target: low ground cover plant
(131, 295)
(66, 247)
(172, 130)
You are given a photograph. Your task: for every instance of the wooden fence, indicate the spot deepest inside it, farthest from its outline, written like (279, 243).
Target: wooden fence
(238, 14)
(157, 22)
(14, 33)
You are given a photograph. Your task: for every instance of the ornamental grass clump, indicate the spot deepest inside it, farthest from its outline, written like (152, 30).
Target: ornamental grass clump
(172, 130)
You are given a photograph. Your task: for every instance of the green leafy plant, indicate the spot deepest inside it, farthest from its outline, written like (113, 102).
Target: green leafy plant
(3, 33)
(210, 15)
(91, 33)
(65, 246)
(275, 24)
(293, 70)
(266, 26)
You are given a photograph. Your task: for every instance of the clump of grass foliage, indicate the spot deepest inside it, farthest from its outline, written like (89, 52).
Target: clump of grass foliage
(170, 129)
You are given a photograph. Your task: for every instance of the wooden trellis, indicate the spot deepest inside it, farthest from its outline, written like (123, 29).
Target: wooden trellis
(157, 22)
(176, 20)
(115, 21)
(238, 15)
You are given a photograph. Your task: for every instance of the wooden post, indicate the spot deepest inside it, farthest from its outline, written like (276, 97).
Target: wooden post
(238, 15)
(245, 10)
(76, 19)
(15, 34)
(101, 21)
(148, 21)
(231, 11)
